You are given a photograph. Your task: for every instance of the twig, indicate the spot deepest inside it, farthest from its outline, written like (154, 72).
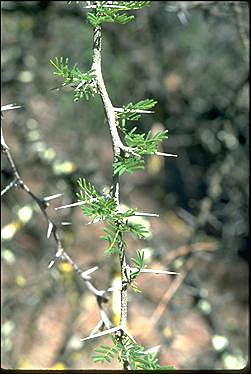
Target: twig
(8, 187)
(186, 249)
(158, 312)
(53, 228)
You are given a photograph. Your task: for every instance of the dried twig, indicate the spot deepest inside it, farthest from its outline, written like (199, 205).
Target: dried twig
(53, 228)
(176, 283)
(186, 249)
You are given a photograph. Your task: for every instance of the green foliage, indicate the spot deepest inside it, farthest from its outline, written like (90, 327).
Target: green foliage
(114, 238)
(111, 13)
(137, 229)
(139, 263)
(135, 354)
(103, 207)
(145, 143)
(82, 83)
(116, 228)
(128, 164)
(105, 353)
(96, 206)
(142, 144)
(129, 111)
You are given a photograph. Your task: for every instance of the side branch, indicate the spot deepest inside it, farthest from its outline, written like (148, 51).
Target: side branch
(54, 230)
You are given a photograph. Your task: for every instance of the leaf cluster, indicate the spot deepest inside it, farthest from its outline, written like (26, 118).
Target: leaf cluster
(97, 206)
(116, 228)
(113, 235)
(82, 83)
(139, 263)
(110, 11)
(142, 144)
(135, 354)
(102, 207)
(131, 111)
(128, 164)
(145, 143)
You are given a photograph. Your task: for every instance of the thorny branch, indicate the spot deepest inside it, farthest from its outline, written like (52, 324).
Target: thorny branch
(52, 227)
(117, 148)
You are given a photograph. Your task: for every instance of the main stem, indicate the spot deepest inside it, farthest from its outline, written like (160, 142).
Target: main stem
(117, 146)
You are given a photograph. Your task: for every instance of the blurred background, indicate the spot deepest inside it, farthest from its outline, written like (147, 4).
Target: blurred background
(193, 58)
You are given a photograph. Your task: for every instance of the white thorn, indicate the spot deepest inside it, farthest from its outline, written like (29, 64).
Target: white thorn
(70, 205)
(59, 253)
(165, 154)
(153, 349)
(146, 214)
(84, 274)
(110, 331)
(50, 227)
(97, 327)
(111, 289)
(51, 264)
(121, 110)
(96, 220)
(66, 223)
(155, 271)
(10, 107)
(51, 197)
(105, 319)
(3, 141)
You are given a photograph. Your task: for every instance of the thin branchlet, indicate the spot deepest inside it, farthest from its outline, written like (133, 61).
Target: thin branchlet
(53, 228)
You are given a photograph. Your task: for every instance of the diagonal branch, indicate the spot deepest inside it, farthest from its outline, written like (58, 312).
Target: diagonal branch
(8, 187)
(53, 229)
(109, 109)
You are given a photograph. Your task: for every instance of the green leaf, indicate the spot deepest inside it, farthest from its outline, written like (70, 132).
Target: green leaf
(106, 353)
(128, 165)
(96, 206)
(112, 14)
(82, 83)
(145, 143)
(137, 229)
(129, 110)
